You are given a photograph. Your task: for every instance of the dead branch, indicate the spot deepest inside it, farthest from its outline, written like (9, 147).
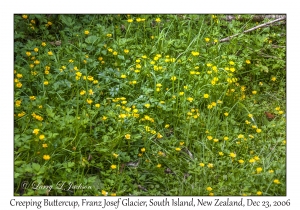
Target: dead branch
(255, 18)
(277, 46)
(252, 29)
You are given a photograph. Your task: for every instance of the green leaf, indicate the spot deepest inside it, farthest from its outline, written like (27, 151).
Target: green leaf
(90, 48)
(91, 39)
(17, 140)
(19, 162)
(71, 164)
(121, 57)
(105, 138)
(28, 168)
(36, 166)
(67, 20)
(16, 175)
(50, 112)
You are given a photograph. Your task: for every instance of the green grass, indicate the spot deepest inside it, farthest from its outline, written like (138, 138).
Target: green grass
(167, 93)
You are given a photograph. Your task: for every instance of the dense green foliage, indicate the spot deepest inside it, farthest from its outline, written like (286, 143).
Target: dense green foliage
(95, 92)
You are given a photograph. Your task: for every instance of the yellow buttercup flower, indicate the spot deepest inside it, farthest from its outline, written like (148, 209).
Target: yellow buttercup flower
(259, 169)
(201, 164)
(82, 92)
(36, 131)
(190, 99)
(19, 84)
(233, 155)
(159, 136)
(18, 103)
(103, 192)
(256, 158)
(195, 53)
(46, 157)
(89, 101)
(209, 189)
(91, 92)
(209, 137)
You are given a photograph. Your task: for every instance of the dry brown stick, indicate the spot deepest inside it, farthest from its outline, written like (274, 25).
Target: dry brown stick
(256, 18)
(252, 29)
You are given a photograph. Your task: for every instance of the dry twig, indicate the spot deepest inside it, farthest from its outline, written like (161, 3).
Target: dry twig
(252, 29)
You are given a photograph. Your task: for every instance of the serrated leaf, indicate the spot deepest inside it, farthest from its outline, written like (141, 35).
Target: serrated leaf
(67, 20)
(71, 164)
